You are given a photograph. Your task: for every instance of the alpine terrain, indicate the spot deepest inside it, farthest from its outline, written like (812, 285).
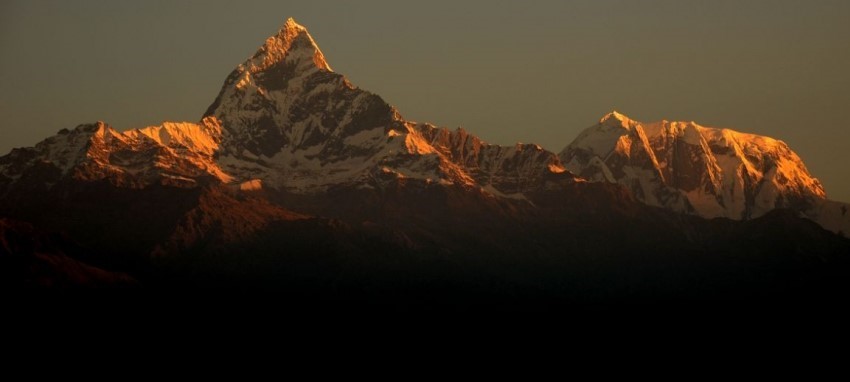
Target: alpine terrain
(297, 181)
(704, 171)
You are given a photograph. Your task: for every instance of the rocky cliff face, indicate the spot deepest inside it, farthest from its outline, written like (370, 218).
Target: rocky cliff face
(699, 170)
(294, 175)
(285, 121)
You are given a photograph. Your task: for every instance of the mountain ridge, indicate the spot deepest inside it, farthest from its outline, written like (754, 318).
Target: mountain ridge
(705, 171)
(284, 119)
(294, 173)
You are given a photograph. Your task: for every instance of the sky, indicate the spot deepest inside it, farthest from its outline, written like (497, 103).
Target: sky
(507, 71)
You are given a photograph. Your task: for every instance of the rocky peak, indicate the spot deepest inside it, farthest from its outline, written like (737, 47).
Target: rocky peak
(694, 169)
(292, 46)
(615, 119)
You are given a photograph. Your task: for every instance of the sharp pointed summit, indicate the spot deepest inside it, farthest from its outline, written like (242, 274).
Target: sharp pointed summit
(614, 118)
(289, 54)
(292, 45)
(292, 24)
(265, 95)
(296, 179)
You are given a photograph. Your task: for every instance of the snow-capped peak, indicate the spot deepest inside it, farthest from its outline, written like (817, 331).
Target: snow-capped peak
(615, 118)
(292, 24)
(285, 121)
(265, 97)
(291, 45)
(690, 168)
(288, 120)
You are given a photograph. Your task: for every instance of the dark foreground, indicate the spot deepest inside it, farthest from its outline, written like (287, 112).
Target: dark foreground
(597, 249)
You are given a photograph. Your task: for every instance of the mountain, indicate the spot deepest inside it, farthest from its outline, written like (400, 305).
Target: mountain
(284, 120)
(294, 123)
(699, 170)
(33, 258)
(179, 154)
(298, 181)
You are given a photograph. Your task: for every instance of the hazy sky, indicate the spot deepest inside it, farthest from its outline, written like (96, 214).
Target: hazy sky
(530, 71)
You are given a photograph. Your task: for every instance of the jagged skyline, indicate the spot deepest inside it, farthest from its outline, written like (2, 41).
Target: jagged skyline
(452, 58)
(296, 181)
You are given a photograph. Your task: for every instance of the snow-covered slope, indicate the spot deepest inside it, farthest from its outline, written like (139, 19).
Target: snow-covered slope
(699, 170)
(284, 120)
(502, 170)
(178, 154)
(289, 120)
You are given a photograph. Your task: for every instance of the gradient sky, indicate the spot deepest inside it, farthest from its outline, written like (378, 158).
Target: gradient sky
(513, 71)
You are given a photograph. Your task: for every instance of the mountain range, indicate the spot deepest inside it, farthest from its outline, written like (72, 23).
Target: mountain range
(296, 180)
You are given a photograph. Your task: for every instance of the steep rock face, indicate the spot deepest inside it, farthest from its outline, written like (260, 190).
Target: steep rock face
(292, 122)
(699, 170)
(502, 170)
(289, 120)
(285, 121)
(407, 207)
